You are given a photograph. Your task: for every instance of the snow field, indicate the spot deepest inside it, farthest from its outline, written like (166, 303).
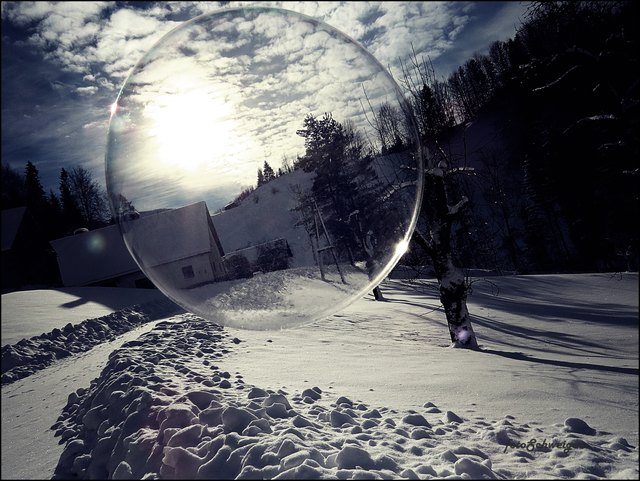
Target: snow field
(279, 299)
(164, 409)
(371, 392)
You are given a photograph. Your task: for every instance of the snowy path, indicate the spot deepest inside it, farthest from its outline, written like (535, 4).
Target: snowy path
(30, 407)
(167, 406)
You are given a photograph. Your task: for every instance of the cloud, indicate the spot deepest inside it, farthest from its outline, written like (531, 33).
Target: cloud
(95, 45)
(60, 27)
(487, 23)
(195, 120)
(87, 90)
(101, 41)
(92, 38)
(504, 24)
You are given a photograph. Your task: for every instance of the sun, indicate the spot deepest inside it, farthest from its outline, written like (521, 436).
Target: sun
(191, 130)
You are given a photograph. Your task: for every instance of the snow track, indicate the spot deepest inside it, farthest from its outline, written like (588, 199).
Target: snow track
(163, 408)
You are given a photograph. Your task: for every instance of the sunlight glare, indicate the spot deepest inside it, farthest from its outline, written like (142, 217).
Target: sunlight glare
(193, 130)
(401, 248)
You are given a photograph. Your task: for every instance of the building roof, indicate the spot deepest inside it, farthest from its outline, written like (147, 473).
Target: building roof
(161, 237)
(171, 235)
(11, 220)
(93, 256)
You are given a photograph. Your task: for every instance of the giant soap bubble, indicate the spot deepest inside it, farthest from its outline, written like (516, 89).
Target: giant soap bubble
(263, 167)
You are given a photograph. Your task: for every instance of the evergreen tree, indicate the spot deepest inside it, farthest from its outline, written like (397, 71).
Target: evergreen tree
(13, 188)
(332, 189)
(54, 218)
(345, 188)
(35, 196)
(268, 172)
(124, 208)
(54, 202)
(260, 178)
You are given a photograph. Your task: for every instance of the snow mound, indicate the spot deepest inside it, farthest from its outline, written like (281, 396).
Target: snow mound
(162, 408)
(30, 355)
(577, 425)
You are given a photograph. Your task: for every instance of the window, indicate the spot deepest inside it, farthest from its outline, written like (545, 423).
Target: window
(187, 272)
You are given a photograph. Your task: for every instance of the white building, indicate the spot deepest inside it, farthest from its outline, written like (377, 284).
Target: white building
(97, 258)
(179, 247)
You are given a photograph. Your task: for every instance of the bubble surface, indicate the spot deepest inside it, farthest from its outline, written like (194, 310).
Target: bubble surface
(263, 167)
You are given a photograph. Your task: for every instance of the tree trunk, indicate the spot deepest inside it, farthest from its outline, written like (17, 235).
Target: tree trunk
(453, 288)
(377, 294)
(367, 244)
(453, 296)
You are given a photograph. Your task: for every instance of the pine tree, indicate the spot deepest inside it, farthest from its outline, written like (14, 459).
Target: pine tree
(268, 172)
(346, 188)
(54, 202)
(260, 178)
(332, 189)
(13, 188)
(36, 198)
(55, 224)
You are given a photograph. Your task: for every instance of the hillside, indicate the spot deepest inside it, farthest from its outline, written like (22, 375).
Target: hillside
(266, 215)
(548, 120)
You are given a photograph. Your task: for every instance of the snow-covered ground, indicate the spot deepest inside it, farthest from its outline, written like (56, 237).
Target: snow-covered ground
(371, 392)
(277, 299)
(29, 313)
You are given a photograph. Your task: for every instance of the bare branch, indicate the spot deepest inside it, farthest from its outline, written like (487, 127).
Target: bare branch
(454, 209)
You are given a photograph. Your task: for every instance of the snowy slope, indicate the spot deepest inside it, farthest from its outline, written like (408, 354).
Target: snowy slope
(280, 298)
(265, 215)
(373, 391)
(31, 405)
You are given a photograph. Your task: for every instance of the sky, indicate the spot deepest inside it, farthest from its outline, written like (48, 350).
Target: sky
(243, 86)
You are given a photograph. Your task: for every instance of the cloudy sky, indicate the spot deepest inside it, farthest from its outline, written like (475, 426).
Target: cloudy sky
(63, 64)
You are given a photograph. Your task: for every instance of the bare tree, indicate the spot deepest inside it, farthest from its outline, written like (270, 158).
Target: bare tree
(90, 197)
(287, 166)
(432, 98)
(440, 211)
(441, 214)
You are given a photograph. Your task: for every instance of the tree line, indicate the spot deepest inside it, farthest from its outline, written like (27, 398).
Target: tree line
(80, 201)
(558, 192)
